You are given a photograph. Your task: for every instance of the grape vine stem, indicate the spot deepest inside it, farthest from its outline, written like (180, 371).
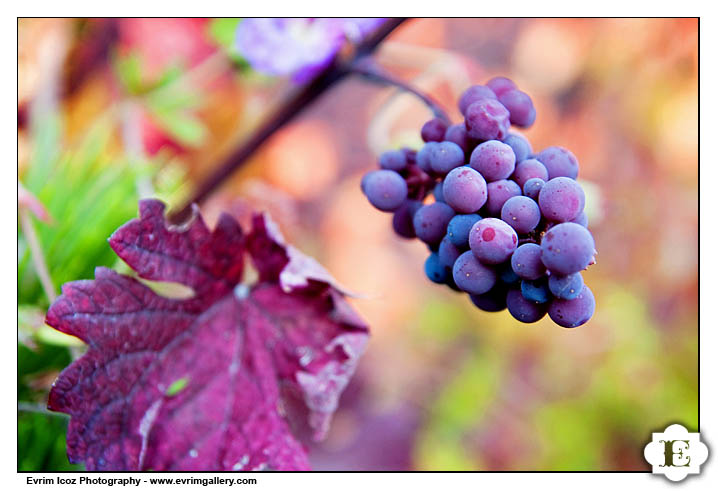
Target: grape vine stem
(294, 104)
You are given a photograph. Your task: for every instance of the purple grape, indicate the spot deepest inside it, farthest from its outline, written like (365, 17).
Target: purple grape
(567, 248)
(403, 219)
(559, 162)
(456, 133)
(385, 189)
(448, 253)
(472, 276)
(494, 160)
(433, 130)
(536, 290)
(520, 106)
(561, 199)
(434, 270)
(459, 228)
(498, 193)
(521, 213)
(487, 119)
(445, 156)
(506, 273)
(520, 146)
(524, 310)
(492, 301)
(393, 160)
(465, 190)
(581, 219)
(528, 169)
(438, 192)
(499, 85)
(430, 222)
(566, 287)
(526, 262)
(492, 241)
(533, 187)
(575, 312)
(473, 94)
(423, 156)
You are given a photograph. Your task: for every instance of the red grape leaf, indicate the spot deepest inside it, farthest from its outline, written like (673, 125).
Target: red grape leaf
(210, 382)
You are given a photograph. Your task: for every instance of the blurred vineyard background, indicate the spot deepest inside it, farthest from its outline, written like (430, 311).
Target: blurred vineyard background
(113, 109)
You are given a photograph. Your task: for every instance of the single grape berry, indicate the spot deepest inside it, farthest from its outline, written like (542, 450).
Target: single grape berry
(423, 156)
(385, 189)
(433, 130)
(524, 310)
(567, 248)
(526, 262)
(473, 94)
(448, 253)
(575, 312)
(487, 119)
(456, 133)
(559, 162)
(498, 193)
(403, 219)
(529, 169)
(533, 187)
(521, 213)
(494, 160)
(499, 85)
(536, 290)
(566, 287)
(393, 160)
(430, 222)
(492, 301)
(561, 199)
(581, 219)
(492, 241)
(472, 276)
(459, 228)
(507, 274)
(438, 192)
(520, 106)
(434, 270)
(465, 190)
(520, 146)
(445, 156)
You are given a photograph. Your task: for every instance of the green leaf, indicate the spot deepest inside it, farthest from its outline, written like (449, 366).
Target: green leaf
(184, 127)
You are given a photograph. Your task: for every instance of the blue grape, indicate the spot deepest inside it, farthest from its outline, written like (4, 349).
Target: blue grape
(433, 130)
(448, 253)
(445, 156)
(403, 219)
(492, 301)
(561, 199)
(494, 160)
(520, 106)
(520, 146)
(581, 219)
(472, 276)
(536, 290)
(459, 228)
(526, 262)
(528, 169)
(524, 310)
(559, 162)
(566, 287)
(567, 248)
(473, 94)
(393, 160)
(487, 119)
(492, 241)
(533, 187)
(439, 192)
(430, 222)
(465, 190)
(575, 312)
(434, 270)
(507, 274)
(499, 85)
(456, 133)
(521, 213)
(385, 189)
(423, 156)
(498, 193)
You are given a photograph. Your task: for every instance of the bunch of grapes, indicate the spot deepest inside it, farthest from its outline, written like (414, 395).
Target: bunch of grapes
(506, 225)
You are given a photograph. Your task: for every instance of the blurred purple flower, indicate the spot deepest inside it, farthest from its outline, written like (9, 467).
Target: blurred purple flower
(300, 47)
